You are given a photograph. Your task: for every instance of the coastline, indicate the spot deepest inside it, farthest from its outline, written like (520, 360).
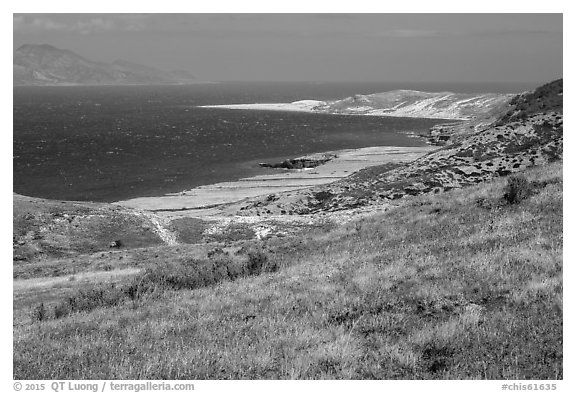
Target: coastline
(211, 200)
(296, 106)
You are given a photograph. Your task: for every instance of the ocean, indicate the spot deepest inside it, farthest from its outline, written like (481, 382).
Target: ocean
(110, 143)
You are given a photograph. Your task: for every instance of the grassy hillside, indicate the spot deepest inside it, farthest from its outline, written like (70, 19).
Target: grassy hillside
(46, 229)
(456, 285)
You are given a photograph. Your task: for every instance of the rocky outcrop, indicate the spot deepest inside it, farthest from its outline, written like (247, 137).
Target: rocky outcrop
(311, 161)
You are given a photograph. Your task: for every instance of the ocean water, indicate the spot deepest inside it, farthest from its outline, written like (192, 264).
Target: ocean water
(107, 143)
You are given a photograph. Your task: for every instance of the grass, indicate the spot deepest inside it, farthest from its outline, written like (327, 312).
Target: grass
(45, 229)
(459, 285)
(106, 260)
(157, 279)
(189, 229)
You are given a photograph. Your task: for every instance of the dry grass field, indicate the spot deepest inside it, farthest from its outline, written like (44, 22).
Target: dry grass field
(465, 284)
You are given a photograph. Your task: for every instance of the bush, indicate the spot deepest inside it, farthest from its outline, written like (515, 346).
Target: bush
(258, 262)
(195, 274)
(88, 299)
(39, 313)
(323, 196)
(176, 276)
(154, 280)
(517, 189)
(185, 275)
(102, 295)
(61, 310)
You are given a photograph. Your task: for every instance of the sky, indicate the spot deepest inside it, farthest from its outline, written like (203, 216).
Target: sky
(314, 47)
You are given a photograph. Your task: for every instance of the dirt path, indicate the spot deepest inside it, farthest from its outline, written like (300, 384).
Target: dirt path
(160, 228)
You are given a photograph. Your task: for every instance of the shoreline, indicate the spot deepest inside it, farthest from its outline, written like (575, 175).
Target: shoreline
(210, 200)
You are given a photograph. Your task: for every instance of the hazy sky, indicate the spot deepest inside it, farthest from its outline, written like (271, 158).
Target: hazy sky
(315, 47)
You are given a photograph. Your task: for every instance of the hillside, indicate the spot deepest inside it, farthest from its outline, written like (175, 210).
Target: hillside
(545, 99)
(446, 267)
(459, 285)
(511, 144)
(397, 103)
(45, 229)
(48, 65)
(411, 103)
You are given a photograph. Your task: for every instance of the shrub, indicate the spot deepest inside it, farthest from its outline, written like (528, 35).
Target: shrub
(61, 310)
(258, 262)
(154, 280)
(39, 313)
(323, 196)
(176, 276)
(102, 295)
(194, 274)
(517, 189)
(215, 251)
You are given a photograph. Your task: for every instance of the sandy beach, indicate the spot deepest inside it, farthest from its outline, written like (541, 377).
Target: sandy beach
(208, 200)
(296, 106)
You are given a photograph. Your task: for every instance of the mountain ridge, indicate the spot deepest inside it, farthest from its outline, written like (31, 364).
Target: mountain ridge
(47, 65)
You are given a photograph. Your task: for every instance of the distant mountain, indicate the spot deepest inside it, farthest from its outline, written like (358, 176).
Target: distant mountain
(48, 65)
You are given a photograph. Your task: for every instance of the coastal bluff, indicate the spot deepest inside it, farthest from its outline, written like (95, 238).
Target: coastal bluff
(529, 133)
